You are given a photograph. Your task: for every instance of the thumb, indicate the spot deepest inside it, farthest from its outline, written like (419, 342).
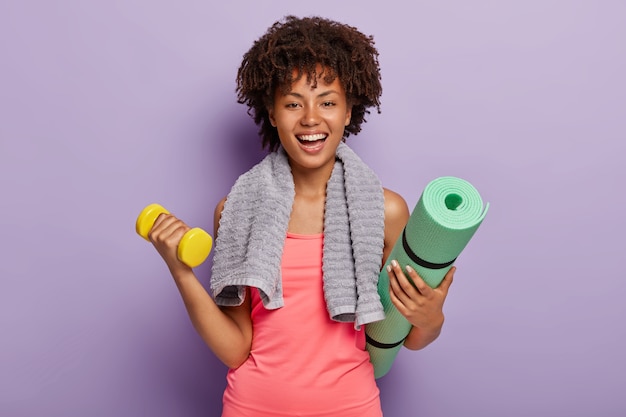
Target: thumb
(447, 279)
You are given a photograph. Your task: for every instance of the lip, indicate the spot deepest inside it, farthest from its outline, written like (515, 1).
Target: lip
(313, 146)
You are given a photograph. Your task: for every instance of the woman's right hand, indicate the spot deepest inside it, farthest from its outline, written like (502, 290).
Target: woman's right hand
(165, 235)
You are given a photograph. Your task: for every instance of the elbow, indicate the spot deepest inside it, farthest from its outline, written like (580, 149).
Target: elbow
(235, 361)
(418, 339)
(415, 345)
(418, 344)
(234, 358)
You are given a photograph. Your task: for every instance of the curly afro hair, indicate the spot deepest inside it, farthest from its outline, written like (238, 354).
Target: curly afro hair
(301, 44)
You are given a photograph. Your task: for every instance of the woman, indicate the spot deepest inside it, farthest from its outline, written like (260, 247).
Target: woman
(295, 345)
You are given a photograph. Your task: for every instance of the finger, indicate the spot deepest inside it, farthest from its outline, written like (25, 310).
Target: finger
(419, 283)
(404, 285)
(447, 280)
(160, 218)
(160, 224)
(395, 294)
(395, 288)
(162, 221)
(174, 232)
(169, 229)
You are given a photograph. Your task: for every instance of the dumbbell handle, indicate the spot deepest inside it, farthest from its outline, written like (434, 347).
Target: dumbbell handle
(195, 245)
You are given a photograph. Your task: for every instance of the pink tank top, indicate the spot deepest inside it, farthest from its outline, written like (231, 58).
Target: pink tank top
(302, 363)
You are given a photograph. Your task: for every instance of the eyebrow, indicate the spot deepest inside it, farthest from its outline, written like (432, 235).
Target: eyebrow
(322, 95)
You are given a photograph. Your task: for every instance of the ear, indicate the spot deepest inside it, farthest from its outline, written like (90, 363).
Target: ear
(270, 113)
(348, 116)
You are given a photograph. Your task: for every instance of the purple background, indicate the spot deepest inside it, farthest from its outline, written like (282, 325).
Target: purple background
(109, 106)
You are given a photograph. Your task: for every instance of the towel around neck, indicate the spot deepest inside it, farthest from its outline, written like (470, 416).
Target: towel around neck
(253, 228)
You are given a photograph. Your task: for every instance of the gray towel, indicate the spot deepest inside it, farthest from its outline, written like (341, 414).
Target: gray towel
(253, 228)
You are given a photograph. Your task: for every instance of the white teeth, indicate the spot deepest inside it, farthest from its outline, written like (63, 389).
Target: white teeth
(312, 138)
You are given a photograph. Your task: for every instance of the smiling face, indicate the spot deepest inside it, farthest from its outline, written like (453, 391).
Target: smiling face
(311, 121)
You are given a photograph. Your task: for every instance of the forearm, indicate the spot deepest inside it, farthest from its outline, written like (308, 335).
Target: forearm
(228, 340)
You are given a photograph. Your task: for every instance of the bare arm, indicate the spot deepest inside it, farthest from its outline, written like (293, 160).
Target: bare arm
(421, 305)
(228, 330)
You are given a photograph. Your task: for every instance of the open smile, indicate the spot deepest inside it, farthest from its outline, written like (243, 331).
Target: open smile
(312, 143)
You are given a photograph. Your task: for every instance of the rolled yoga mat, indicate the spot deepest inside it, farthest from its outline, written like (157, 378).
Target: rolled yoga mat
(445, 218)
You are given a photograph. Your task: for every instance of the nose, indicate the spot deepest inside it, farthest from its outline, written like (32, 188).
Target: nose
(310, 116)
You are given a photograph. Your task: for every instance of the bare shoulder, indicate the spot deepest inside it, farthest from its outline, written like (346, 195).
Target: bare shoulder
(396, 216)
(217, 215)
(396, 208)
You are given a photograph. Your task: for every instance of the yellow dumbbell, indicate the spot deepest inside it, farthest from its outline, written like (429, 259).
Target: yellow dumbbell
(194, 246)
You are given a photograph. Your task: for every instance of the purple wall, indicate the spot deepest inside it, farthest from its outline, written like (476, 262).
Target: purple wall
(108, 107)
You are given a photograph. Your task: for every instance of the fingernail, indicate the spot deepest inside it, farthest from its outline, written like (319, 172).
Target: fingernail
(394, 263)
(388, 268)
(408, 268)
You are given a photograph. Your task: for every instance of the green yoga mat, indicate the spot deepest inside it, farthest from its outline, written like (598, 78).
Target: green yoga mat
(445, 218)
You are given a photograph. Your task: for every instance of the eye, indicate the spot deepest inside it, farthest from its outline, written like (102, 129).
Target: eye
(328, 104)
(292, 105)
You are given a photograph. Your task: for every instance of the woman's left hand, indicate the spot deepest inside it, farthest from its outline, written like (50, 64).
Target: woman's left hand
(421, 305)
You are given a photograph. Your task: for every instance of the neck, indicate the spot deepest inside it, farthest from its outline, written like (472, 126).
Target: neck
(311, 181)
